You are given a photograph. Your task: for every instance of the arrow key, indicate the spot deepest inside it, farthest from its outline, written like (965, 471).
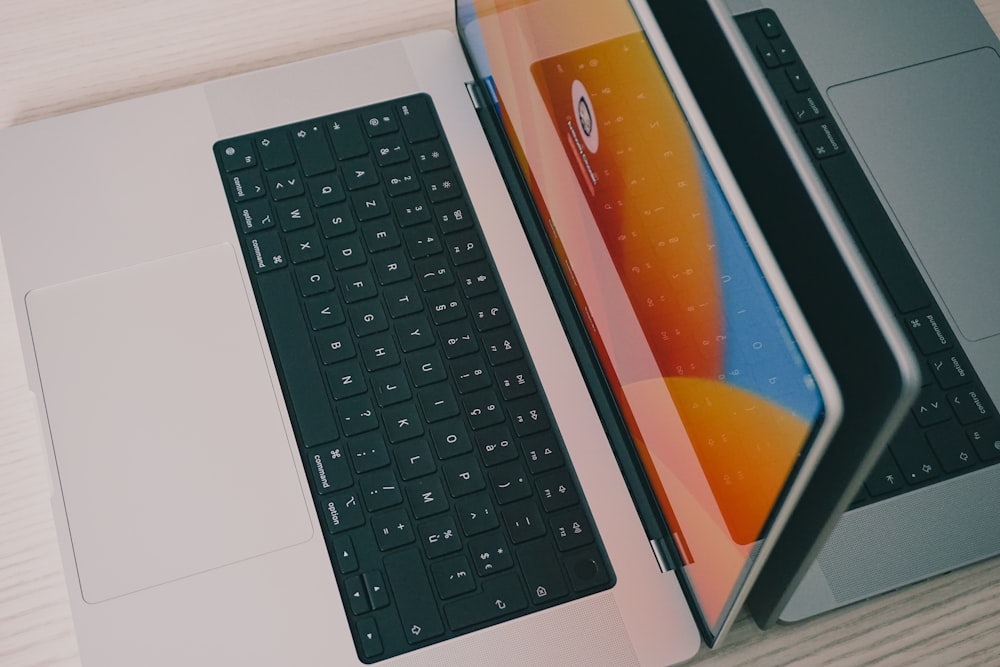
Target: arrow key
(356, 596)
(369, 638)
(377, 595)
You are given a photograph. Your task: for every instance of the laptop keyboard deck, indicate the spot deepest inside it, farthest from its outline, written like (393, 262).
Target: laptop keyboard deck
(447, 497)
(953, 428)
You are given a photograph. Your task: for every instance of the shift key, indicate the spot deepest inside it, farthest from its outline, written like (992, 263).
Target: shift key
(409, 584)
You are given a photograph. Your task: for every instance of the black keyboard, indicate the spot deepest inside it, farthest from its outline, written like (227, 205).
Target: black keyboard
(445, 490)
(953, 428)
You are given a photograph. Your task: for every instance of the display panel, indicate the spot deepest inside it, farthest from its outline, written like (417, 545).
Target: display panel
(718, 398)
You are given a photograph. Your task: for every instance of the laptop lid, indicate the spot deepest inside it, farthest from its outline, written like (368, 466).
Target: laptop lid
(721, 398)
(868, 353)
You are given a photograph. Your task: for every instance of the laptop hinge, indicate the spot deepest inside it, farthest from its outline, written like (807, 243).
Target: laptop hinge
(662, 553)
(477, 102)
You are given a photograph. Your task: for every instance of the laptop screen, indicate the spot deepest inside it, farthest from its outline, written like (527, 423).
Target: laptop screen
(717, 396)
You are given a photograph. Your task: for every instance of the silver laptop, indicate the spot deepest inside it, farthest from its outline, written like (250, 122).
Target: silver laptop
(895, 104)
(319, 388)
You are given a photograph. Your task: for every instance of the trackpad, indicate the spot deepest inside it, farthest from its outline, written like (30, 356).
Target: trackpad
(171, 451)
(928, 133)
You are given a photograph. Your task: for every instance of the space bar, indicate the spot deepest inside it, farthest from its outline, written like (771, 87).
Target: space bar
(300, 376)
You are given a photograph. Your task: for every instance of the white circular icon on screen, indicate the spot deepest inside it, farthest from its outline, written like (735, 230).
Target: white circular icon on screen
(583, 111)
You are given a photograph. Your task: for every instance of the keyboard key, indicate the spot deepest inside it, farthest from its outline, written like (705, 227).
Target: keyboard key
(347, 557)
(285, 184)
(951, 447)
(237, 154)
(330, 470)
(379, 120)
(440, 536)
(970, 405)
(371, 640)
(453, 577)
(254, 216)
(392, 530)
(524, 522)
(411, 587)
(572, 529)
(490, 554)
(275, 150)
(986, 439)
(347, 137)
(476, 515)
(342, 512)
(246, 185)
(542, 574)
(910, 449)
(501, 595)
(312, 150)
(885, 477)
(380, 490)
(417, 120)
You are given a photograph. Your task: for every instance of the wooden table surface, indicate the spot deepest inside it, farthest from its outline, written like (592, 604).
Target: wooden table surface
(58, 56)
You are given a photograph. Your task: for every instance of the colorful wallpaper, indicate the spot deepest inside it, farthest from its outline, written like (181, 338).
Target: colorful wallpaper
(717, 397)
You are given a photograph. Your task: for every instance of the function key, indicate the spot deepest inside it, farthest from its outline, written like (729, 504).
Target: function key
(314, 153)
(347, 136)
(379, 120)
(453, 216)
(236, 154)
(542, 452)
(910, 449)
(442, 185)
(274, 149)
(885, 477)
(571, 529)
(430, 155)
(418, 122)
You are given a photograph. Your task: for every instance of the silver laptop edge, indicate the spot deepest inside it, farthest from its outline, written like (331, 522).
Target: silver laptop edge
(934, 529)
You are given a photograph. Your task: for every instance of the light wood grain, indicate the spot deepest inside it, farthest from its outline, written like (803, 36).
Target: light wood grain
(58, 56)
